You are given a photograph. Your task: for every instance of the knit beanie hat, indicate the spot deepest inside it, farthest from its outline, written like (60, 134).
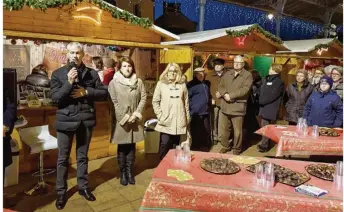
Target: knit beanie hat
(327, 79)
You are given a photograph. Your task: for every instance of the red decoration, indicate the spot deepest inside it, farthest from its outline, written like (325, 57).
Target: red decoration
(240, 41)
(37, 43)
(25, 41)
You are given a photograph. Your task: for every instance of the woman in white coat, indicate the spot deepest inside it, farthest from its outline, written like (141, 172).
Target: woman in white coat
(171, 106)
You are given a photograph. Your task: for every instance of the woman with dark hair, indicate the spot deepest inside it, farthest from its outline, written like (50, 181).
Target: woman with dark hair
(296, 96)
(98, 65)
(128, 95)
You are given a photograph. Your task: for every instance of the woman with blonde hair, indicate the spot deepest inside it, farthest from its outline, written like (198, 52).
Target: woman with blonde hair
(296, 96)
(171, 106)
(128, 95)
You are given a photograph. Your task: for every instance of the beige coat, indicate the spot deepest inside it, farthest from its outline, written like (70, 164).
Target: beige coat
(238, 89)
(129, 98)
(171, 106)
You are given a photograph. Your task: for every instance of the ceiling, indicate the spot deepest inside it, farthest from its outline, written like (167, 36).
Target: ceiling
(312, 10)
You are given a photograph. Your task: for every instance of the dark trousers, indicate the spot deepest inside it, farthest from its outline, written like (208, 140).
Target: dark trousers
(265, 142)
(200, 131)
(166, 143)
(227, 124)
(64, 141)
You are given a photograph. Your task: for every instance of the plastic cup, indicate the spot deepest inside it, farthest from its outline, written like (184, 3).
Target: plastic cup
(269, 176)
(315, 131)
(259, 174)
(338, 177)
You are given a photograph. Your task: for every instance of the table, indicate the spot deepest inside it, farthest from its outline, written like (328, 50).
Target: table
(301, 145)
(211, 192)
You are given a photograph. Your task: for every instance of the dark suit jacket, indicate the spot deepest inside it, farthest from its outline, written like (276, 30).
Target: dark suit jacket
(71, 112)
(8, 120)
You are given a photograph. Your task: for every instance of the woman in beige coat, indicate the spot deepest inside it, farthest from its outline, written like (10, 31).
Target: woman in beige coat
(128, 95)
(171, 106)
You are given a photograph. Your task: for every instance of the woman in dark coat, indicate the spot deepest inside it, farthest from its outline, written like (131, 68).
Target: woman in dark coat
(271, 93)
(296, 96)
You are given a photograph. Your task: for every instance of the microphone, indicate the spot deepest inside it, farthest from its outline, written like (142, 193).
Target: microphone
(73, 65)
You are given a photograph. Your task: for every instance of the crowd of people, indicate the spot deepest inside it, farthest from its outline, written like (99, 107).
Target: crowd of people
(206, 112)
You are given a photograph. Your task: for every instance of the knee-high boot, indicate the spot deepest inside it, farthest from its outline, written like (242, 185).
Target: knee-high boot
(130, 164)
(121, 158)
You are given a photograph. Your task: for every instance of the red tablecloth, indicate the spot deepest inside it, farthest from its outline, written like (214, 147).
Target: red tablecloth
(302, 145)
(211, 192)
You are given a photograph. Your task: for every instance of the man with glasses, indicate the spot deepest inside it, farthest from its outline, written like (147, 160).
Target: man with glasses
(234, 88)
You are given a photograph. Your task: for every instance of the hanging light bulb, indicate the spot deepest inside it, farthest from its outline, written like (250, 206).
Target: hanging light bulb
(270, 16)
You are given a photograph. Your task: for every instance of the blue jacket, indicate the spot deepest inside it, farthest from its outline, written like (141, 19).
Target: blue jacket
(199, 97)
(324, 110)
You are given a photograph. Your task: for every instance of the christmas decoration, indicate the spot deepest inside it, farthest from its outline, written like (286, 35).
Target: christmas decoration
(254, 28)
(325, 46)
(240, 41)
(210, 62)
(13, 42)
(197, 61)
(117, 48)
(25, 41)
(37, 43)
(44, 5)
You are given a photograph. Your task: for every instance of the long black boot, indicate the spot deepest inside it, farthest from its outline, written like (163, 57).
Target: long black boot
(130, 164)
(121, 158)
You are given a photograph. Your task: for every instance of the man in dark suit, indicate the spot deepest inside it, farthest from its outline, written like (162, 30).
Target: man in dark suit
(74, 88)
(8, 125)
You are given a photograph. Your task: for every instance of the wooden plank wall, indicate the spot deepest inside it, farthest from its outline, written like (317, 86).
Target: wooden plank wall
(61, 22)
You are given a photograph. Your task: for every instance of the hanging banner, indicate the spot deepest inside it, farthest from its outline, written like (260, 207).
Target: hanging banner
(54, 59)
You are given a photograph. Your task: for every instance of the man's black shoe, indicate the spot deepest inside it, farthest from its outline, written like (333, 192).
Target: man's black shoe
(87, 194)
(61, 201)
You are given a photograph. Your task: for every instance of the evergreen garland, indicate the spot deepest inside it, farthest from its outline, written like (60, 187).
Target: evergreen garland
(45, 4)
(210, 62)
(324, 46)
(256, 28)
(197, 61)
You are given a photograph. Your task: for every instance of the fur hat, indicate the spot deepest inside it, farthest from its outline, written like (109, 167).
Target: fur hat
(219, 61)
(199, 70)
(239, 59)
(326, 79)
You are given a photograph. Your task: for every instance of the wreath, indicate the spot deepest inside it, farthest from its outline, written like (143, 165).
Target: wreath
(210, 62)
(197, 62)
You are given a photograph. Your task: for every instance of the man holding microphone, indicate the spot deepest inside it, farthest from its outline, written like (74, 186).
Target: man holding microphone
(74, 88)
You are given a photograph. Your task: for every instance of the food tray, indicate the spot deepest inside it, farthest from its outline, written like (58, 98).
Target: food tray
(324, 131)
(219, 166)
(285, 175)
(322, 171)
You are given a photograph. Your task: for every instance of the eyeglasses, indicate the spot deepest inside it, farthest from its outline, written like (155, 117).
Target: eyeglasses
(334, 74)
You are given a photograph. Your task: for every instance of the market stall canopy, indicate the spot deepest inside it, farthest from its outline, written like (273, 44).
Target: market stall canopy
(92, 21)
(240, 39)
(327, 47)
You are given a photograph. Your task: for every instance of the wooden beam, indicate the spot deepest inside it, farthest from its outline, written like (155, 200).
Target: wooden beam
(31, 35)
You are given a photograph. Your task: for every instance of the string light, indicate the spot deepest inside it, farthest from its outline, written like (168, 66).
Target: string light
(220, 14)
(99, 14)
(320, 51)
